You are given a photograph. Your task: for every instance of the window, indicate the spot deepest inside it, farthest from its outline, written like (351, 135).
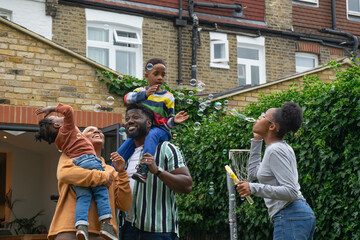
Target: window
(5, 14)
(353, 7)
(311, 3)
(114, 45)
(219, 50)
(251, 60)
(305, 61)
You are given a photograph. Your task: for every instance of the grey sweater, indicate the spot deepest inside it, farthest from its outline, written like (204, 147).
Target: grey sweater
(277, 175)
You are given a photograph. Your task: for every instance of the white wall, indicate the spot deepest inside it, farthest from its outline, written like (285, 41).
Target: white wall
(33, 181)
(29, 14)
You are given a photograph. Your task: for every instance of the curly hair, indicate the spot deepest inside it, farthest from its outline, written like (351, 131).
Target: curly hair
(44, 132)
(144, 109)
(289, 117)
(154, 61)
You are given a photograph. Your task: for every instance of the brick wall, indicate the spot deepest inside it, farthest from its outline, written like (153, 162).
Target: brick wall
(280, 55)
(69, 28)
(246, 97)
(278, 14)
(34, 73)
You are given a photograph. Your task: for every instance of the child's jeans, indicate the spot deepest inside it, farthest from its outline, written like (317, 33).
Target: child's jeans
(153, 138)
(84, 194)
(296, 221)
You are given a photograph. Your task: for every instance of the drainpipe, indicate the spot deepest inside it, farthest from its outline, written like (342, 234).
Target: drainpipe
(333, 14)
(180, 23)
(355, 41)
(195, 30)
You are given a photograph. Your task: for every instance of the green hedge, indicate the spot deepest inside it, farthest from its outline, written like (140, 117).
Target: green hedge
(328, 154)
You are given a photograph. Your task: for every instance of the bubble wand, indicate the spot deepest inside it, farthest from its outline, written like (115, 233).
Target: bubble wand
(234, 177)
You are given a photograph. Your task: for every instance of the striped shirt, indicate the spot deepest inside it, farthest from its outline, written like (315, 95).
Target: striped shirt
(161, 103)
(154, 206)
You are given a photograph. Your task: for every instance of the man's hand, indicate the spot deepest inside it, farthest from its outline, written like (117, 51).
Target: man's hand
(149, 161)
(151, 90)
(46, 110)
(110, 181)
(118, 161)
(181, 117)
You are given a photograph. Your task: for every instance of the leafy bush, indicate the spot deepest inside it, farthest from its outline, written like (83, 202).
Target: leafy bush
(328, 154)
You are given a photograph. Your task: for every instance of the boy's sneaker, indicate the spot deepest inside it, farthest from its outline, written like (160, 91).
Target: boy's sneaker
(107, 231)
(141, 174)
(82, 232)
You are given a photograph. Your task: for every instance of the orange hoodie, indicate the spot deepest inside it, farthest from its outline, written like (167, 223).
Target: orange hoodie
(68, 174)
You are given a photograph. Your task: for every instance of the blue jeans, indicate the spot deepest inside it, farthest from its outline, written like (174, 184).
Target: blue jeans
(84, 194)
(296, 221)
(129, 232)
(153, 138)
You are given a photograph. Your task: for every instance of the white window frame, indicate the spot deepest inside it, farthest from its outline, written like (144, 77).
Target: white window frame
(132, 24)
(351, 13)
(311, 3)
(300, 69)
(219, 38)
(257, 44)
(6, 13)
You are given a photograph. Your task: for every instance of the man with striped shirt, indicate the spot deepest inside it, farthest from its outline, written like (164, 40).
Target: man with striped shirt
(153, 214)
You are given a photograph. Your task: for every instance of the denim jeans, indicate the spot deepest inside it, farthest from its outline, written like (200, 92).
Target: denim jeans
(296, 221)
(128, 232)
(153, 138)
(84, 194)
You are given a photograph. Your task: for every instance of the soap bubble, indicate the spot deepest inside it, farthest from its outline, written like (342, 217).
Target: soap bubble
(110, 100)
(211, 191)
(200, 86)
(210, 96)
(97, 108)
(120, 77)
(197, 125)
(224, 151)
(181, 95)
(249, 119)
(200, 113)
(174, 136)
(189, 101)
(202, 106)
(122, 131)
(106, 26)
(191, 93)
(149, 66)
(78, 135)
(211, 184)
(232, 197)
(193, 82)
(226, 102)
(217, 105)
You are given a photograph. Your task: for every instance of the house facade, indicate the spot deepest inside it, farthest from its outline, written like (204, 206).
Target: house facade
(49, 50)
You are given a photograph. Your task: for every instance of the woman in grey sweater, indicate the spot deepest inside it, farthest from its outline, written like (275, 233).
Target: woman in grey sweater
(277, 174)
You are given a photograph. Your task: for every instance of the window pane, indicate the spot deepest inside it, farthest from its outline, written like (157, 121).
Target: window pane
(126, 34)
(305, 62)
(99, 55)
(241, 74)
(219, 50)
(248, 53)
(125, 62)
(255, 75)
(354, 5)
(98, 34)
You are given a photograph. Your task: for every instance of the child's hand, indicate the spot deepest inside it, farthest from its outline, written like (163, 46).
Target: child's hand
(110, 181)
(46, 110)
(118, 161)
(152, 89)
(180, 117)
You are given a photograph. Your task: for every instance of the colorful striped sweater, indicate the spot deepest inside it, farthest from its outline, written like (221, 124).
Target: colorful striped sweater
(161, 103)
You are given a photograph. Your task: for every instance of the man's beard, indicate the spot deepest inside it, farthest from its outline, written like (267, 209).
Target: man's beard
(140, 132)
